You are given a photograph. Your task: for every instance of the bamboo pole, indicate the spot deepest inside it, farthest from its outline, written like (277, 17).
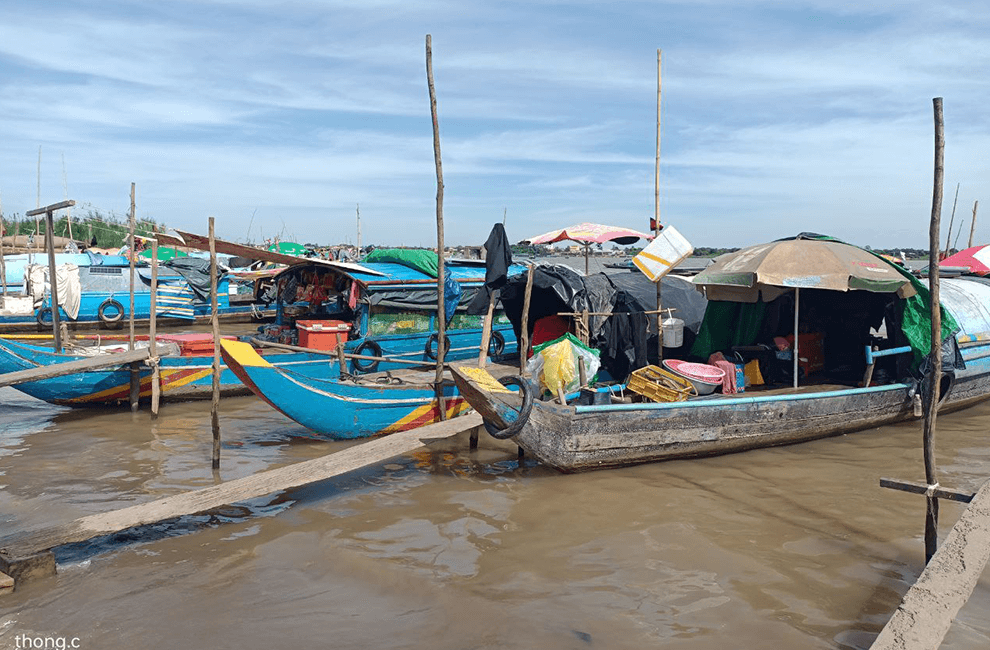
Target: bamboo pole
(37, 219)
(441, 314)
(935, 371)
(656, 217)
(3, 265)
(486, 332)
(156, 374)
(135, 393)
(524, 329)
(972, 227)
(215, 323)
(952, 218)
(52, 280)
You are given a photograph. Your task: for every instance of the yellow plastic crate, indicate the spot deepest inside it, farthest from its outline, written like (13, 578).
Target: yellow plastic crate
(658, 385)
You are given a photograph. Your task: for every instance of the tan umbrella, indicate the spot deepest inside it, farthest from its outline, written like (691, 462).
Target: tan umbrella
(768, 270)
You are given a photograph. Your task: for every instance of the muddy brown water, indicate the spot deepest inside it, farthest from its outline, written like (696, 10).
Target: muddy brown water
(792, 547)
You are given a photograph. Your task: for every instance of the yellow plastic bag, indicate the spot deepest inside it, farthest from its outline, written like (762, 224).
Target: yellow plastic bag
(559, 365)
(752, 372)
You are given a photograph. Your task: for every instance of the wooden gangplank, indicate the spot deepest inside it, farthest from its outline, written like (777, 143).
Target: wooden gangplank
(930, 605)
(70, 367)
(29, 555)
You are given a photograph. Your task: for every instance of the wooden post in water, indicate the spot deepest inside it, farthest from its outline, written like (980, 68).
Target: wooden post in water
(215, 323)
(156, 374)
(524, 328)
(135, 367)
(972, 226)
(441, 314)
(50, 246)
(656, 219)
(934, 378)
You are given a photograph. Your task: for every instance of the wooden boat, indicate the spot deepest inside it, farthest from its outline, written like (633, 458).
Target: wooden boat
(186, 375)
(579, 437)
(342, 407)
(104, 299)
(390, 322)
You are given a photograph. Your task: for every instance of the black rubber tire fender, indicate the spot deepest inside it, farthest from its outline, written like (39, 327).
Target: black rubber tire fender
(435, 338)
(110, 303)
(496, 345)
(363, 365)
(40, 317)
(524, 411)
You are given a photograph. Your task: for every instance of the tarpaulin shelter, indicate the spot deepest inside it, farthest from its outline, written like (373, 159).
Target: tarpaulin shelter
(740, 285)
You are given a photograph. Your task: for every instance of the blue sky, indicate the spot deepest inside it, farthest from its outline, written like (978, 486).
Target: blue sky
(282, 117)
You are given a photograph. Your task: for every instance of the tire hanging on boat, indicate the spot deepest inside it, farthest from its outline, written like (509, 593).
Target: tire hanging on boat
(434, 338)
(524, 411)
(363, 365)
(40, 316)
(112, 304)
(496, 346)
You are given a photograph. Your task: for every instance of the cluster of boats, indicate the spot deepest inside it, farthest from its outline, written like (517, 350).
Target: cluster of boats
(351, 351)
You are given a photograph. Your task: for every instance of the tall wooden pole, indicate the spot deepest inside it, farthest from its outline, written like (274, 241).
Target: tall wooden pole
(934, 378)
(656, 218)
(972, 227)
(152, 332)
(524, 328)
(50, 247)
(135, 367)
(441, 314)
(358, 233)
(37, 218)
(3, 265)
(215, 323)
(52, 279)
(952, 218)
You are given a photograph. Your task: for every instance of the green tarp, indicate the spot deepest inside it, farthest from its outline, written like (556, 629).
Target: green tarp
(422, 260)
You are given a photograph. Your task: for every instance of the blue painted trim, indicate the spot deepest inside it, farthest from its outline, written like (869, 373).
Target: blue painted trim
(735, 401)
(871, 355)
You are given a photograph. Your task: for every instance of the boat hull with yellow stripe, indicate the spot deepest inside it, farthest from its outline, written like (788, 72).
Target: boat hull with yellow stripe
(335, 407)
(182, 377)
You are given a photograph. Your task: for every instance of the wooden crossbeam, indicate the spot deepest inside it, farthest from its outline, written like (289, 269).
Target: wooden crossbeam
(920, 488)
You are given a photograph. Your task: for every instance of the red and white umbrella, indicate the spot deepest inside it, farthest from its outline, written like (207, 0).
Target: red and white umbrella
(976, 259)
(588, 234)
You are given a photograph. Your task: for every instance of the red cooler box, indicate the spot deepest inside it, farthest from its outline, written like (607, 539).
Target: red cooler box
(322, 334)
(193, 345)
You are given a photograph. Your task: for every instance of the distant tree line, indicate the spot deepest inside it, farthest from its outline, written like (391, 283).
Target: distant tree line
(89, 225)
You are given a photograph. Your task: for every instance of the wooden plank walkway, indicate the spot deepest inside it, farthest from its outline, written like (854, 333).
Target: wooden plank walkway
(28, 555)
(59, 369)
(930, 605)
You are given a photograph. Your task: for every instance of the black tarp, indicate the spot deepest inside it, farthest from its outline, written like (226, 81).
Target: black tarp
(627, 338)
(196, 271)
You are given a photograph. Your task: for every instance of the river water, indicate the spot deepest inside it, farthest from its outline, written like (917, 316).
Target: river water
(791, 547)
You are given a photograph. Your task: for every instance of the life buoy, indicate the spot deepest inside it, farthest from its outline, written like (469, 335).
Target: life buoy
(431, 354)
(496, 345)
(527, 408)
(40, 316)
(112, 319)
(363, 365)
